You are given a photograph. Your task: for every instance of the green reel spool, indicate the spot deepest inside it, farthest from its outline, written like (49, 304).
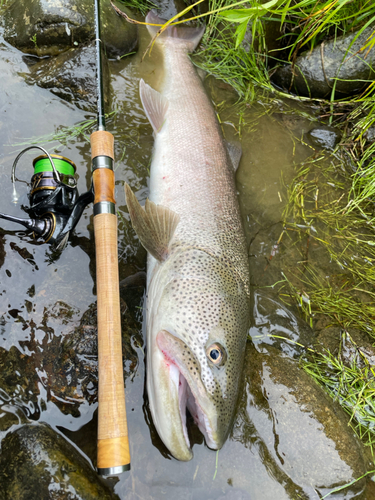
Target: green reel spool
(63, 165)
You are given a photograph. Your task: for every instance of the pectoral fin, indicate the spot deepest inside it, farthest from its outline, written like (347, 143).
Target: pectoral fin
(154, 104)
(154, 224)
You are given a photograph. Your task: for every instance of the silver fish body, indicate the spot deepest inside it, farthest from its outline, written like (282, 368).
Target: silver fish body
(198, 278)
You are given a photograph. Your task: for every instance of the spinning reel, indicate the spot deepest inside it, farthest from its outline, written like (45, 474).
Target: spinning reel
(55, 205)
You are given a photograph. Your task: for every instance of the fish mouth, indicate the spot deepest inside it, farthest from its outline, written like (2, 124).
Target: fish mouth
(187, 401)
(189, 388)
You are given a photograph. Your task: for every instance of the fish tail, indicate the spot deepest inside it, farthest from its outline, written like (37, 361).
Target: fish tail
(182, 35)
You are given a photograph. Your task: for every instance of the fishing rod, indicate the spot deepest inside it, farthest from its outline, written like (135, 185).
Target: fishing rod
(113, 456)
(55, 209)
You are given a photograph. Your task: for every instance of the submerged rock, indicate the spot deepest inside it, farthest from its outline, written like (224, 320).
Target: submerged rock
(61, 364)
(120, 37)
(48, 27)
(332, 63)
(168, 8)
(308, 444)
(275, 324)
(37, 463)
(72, 76)
(324, 137)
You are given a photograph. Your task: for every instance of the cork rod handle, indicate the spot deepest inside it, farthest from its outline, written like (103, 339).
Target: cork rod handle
(113, 444)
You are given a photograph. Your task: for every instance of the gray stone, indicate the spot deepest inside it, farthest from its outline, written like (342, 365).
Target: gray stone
(169, 8)
(316, 72)
(370, 134)
(37, 463)
(48, 27)
(324, 137)
(71, 76)
(306, 436)
(280, 326)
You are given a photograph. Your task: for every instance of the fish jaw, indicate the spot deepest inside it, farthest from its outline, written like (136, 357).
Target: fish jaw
(178, 389)
(163, 394)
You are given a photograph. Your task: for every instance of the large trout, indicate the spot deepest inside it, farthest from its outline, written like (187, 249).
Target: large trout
(198, 278)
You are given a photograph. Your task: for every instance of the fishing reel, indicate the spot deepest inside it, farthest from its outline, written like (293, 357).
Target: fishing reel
(55, 205)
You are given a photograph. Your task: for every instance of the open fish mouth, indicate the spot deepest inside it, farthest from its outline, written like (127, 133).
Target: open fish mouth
(187, 401)
(192, 395)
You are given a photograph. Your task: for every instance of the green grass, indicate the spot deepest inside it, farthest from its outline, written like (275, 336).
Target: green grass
(219, 56)
(326, 209)
(350, 382)
(305, 23)
(323, 209)
(64, 135)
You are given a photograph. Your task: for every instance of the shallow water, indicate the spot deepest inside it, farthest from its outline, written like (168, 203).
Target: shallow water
(33, 282)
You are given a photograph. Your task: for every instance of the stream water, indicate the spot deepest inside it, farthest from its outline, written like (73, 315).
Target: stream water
(37, 289)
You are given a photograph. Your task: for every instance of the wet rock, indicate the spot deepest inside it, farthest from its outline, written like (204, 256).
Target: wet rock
(315, 72)
(306, 437)
(37, 463)
(119, 36)
(328, 335)
(275, 324)
(370, 134)
(72, 76)
(167, 8)
(10, 416)
(18, 386)
(324, 137)
(352, 347)
(137, 280)
(61, 363)
(48, 27)
(359, 355)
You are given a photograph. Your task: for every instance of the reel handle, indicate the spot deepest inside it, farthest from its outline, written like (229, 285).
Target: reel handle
(113, 443)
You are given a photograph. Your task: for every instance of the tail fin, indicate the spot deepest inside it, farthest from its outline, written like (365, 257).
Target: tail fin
(187, 36)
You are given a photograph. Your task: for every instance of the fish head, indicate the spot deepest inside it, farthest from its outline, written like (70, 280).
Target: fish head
(197, 337)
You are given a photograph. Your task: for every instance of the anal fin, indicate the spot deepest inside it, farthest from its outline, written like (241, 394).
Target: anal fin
(154, 104)
(154, 224)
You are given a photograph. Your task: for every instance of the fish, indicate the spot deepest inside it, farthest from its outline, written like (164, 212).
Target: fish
(198, 290)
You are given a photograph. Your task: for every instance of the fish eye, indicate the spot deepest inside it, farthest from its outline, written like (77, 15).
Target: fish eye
(216, 354)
